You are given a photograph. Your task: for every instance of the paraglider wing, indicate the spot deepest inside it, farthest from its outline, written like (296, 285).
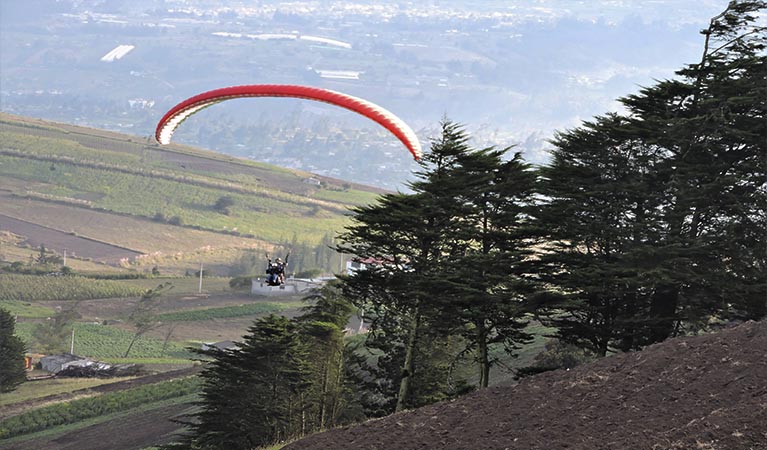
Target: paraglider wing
(183, 110)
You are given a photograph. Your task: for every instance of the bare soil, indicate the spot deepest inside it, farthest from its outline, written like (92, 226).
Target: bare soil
(132, 432)
(37, 235)
(702, 392)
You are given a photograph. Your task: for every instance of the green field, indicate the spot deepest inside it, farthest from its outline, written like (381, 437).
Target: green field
(26, 310)
(105, 342)
(119, 174)
(78, 410)
(30, 287)
(225, 312)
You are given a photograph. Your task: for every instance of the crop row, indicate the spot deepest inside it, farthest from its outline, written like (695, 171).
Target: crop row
(249, 309)
(191, 204)
(106, 342)
(102, 341)
(30, 287)
(77, 410)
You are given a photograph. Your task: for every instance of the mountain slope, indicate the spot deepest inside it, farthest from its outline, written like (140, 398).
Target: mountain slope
(704, 392)
(129, 193)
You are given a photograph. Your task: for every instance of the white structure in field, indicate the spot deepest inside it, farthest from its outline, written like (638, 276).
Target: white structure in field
(117, 53)
(292, 286)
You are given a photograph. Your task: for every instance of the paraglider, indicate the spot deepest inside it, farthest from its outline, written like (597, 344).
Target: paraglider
(176, 115)
(275, 271)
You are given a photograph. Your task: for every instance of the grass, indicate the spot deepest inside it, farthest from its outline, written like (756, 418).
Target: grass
(26, 310)
(225, 312)
(32, 287)
(148, 361)
(184, 285)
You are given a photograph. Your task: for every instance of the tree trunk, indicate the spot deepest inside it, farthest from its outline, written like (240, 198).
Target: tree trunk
(409, 366)
(132, 341)
(324, 393)
(663, 308)
(484, 359)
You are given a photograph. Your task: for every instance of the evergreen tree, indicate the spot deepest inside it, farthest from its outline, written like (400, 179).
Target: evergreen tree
(12, 372)
(597, 219)
(443, 265)
(712, 125)
(484, 286)
(655, 221)
(322, 327)
(404, 240)
(252, 395)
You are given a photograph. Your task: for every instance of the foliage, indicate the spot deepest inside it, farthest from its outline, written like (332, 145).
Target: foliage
(223, 204)
(77, 410)
(556, 355)
(251, 395)
(284, 380)
(655, 220)
(143, 317)
(442, 261)
(12, 372)
(322, 325)
(53, 335)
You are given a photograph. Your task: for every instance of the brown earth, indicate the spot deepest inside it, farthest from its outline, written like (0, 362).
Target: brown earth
(131, 432)
(37, 235)
(702, 392)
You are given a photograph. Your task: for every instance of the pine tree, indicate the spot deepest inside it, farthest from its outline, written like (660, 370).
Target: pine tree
(252, 395)
(322, 327)
(12, 372)
(598, 220)
(484, 287)
(655, 221)
(712, 125)
(404, 240)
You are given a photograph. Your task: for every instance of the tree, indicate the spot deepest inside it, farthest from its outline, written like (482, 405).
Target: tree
(252, 396)
(405, 239)
(53, 335)
(224, 204)
(322, 327)
(484, 286)
(442, 262)
(12, 372)
(143, 317)
(655, 219)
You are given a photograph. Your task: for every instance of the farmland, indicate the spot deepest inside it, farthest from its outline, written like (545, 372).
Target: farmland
(124, 201)
(132, 217)
(30, 287)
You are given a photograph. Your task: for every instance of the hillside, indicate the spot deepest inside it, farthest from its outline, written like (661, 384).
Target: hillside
(123, 200)
(704, 392)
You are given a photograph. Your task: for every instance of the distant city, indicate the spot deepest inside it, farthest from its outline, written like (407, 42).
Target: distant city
(513, 72)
